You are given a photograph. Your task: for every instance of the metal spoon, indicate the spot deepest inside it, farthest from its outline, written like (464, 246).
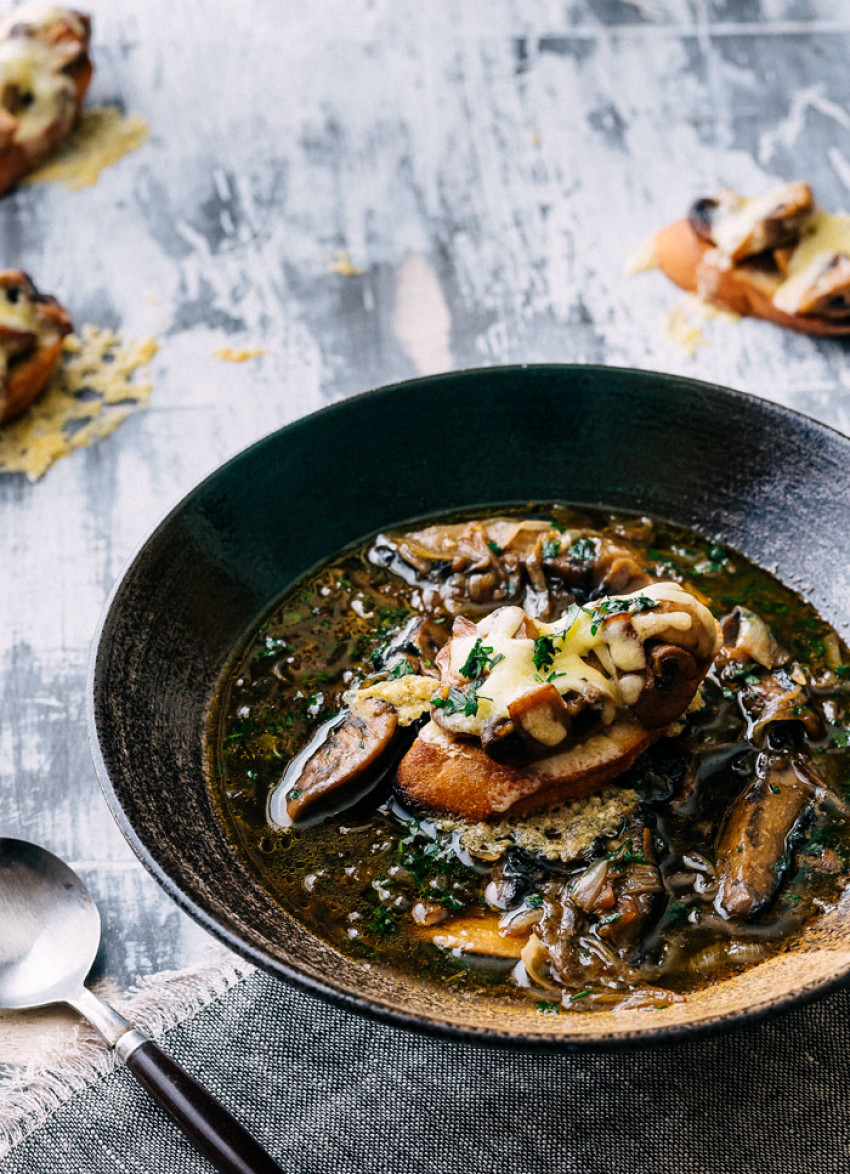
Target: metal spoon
(49, 936)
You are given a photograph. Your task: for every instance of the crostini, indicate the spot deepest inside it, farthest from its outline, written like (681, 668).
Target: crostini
(778, 257)
(45, 71)
(529, 714)
(32, 327)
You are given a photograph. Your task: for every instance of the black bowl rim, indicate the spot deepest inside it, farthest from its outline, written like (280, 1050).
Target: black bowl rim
(517, 1041)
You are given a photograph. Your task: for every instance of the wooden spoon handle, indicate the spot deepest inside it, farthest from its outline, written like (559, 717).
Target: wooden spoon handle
(216, 1133)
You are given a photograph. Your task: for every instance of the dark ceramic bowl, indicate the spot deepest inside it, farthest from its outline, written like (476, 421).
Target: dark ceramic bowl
(773, 484)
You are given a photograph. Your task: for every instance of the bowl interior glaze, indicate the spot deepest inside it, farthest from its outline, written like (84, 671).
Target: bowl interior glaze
(771, 483)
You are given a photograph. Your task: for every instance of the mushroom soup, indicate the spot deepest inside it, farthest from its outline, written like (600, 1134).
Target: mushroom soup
(584, 758)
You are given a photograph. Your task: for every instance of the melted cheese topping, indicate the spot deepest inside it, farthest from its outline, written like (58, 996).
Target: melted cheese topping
(578, 633)
(410, 696)
(826, 236)
(21, 315)
(60, 421)
(100, 138)
(35, 69)
(740, 217)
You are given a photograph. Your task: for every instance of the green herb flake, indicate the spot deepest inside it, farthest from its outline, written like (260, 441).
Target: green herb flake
(402, 669)
(550, 548)
(581, 994)
(494, 546)
(548, 1008)
(382, 921)
(294, 794)
(480, 661)
(534, 901)
(606, 608)
(583, 550)
(677, 912)
(463, 701)
(544, 652)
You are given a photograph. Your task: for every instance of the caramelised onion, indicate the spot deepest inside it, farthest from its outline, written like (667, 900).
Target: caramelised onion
(640, 878)
(517, 922)
(535, 959)
(586, 887)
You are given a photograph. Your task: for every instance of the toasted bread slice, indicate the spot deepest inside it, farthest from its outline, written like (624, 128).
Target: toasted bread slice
(455, 775)
(745, 288)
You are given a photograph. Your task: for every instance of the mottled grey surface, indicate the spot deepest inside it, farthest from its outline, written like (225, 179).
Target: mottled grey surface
(489, 166)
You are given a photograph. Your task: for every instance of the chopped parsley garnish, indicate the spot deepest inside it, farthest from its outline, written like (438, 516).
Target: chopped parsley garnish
(626, 854)
(548, 1008)
(606, 608)
(839, 736)
(583, 550)
(843, 670)
(550, 548)
(544, 652)
(403, 669)
(534, 901)
(480, 661)
(272, 646)
(494, 546)
(677, 912)
(463, 701)
(382, 921)
(294, 794)
(581, 995)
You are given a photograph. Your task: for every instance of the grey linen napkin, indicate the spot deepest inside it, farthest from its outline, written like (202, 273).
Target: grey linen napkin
(331, 1093)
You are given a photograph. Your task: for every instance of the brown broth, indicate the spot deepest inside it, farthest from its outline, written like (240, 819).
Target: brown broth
(352, 878)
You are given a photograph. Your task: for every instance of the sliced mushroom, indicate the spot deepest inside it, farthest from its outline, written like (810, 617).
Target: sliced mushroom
(747, 637)
(742, 227)
(429, 638)
(490, 563)
(541, 717)
(345, 751)
(826, 293)
(418, 643)
(753, 844)
(593, 565)
(672, 676)
(777, 697)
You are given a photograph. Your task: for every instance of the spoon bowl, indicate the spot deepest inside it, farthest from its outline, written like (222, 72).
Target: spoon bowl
(51, 928)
